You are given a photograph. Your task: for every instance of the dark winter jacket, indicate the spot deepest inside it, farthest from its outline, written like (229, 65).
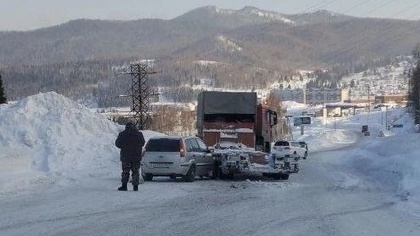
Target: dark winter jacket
(130, 141)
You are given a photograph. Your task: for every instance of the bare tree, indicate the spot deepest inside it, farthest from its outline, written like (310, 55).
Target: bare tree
(174, 120)
(282, 129)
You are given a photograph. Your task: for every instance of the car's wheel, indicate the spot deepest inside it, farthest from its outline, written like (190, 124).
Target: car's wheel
(231, 175)
(222, 175)
(190, 176)
(284, 176)
(277, 176)
(148, 177)
(173, 177)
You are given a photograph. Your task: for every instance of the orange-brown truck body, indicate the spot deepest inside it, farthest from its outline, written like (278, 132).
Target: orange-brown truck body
(235, 113)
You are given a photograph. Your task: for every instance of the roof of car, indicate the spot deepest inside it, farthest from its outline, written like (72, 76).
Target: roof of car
(282, 141)
(171, 137)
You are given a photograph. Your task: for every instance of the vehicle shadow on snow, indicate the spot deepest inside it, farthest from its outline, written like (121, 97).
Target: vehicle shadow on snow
(236, 178)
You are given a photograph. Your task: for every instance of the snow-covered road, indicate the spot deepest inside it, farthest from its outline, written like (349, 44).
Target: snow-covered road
(323, 199)
(60, 170)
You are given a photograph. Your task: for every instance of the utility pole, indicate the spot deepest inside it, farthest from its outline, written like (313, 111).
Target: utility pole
(368, 97)
(140, 93)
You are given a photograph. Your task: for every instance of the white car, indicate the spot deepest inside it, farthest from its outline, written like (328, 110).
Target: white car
(176, 156)
(289, 149)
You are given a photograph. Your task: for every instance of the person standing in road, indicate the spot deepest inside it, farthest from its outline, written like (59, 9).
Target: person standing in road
(131, 142)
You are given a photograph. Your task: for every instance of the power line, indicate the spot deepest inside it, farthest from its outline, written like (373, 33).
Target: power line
(316, 6)
(353, 47)
(380, 6)
(358, 5)
(319, 5)
(365, 42)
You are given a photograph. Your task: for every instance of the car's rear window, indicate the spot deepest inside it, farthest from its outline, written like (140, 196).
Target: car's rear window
(281, 143)
(163, 145)
(302, 144)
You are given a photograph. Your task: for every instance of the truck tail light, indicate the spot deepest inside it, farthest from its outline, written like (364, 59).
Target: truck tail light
(181, 149)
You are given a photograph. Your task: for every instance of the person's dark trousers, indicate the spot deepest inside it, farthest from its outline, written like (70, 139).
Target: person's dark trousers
(216, 169)
(125, 175)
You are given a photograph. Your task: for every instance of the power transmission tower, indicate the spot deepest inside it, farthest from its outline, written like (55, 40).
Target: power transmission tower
(140, 93)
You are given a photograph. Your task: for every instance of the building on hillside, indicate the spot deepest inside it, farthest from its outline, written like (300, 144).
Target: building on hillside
(206, 82)
(345, 95)
(395, 98)
(321, 96)
(312, 96)
(296, 95)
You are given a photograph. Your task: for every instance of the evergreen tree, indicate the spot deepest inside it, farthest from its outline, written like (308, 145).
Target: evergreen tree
(2, 95)
(414, 95)
(416, 51)
(414, 92)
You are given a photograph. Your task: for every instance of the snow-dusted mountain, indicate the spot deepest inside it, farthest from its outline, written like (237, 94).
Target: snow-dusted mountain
(235, 18)
(251, 15)
(268, 45)
(311, 37)
(262, 14)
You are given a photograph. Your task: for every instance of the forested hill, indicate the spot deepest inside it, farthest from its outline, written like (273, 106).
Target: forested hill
(249, 47)
(307, 38)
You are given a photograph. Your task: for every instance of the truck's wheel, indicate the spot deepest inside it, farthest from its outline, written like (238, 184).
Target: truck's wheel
(148, 177)
(190, 176)
(296, 168)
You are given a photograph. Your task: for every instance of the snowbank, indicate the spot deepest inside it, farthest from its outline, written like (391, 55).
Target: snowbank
(47, 137)
(55, 133)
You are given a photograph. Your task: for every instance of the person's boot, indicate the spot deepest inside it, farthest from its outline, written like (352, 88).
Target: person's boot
(135, 188)
(123, 187)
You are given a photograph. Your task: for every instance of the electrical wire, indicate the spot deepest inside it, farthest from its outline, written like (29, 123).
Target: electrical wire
(366, 42)
(317, 6)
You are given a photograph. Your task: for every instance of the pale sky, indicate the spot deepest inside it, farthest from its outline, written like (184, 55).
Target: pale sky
(34, 14)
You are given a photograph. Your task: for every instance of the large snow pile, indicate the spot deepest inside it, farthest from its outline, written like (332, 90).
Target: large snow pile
(394, 162)
(48, 134)
(48, 138)
(56, 133)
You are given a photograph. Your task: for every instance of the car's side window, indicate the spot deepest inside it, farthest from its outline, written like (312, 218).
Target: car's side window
(194, 145)
(202, 145)
(189, 145)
